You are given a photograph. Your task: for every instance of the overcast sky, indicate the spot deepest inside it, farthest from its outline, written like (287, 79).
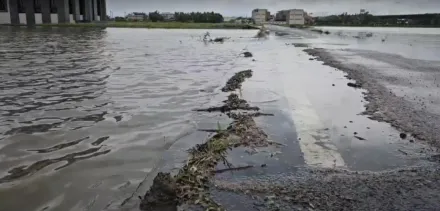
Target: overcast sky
(244, 7)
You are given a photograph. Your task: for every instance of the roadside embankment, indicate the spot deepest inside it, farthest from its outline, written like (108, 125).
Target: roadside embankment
(333, 189)
(411, 112)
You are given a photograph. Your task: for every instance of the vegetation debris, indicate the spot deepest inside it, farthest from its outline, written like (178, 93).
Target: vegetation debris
(262, 33)
(191, 184)
(162, 194)
(300, 45)
(233, 115)
(235, 81)
(403, 136)
(247, 54)
(233, 169)
(354, 85)
(220, 39)
(317, 30)
(232, 103)
(360, 138)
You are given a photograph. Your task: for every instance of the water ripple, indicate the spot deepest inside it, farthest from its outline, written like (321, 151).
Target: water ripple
(88, 106)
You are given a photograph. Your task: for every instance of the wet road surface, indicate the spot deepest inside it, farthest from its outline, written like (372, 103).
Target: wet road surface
(87, 115)
(320, 98)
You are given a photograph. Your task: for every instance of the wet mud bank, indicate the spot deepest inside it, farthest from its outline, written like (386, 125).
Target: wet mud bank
(382, 103)
(191, 185)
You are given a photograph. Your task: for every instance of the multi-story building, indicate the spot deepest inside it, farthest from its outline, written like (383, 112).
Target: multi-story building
(309, 20)
(296, 17)
(168, 16)
(260, 15)
(31, 12)
(137, 16)
(282, 15)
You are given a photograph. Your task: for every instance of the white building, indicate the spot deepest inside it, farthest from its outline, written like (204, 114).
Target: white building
(296, 17)
(260, 15)
(136, 16)
(31, 12)
(168, 16)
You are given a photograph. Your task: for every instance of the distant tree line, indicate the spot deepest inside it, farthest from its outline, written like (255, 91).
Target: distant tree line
(367, 19)
(196, 17)
(347, 19)
(155, 16)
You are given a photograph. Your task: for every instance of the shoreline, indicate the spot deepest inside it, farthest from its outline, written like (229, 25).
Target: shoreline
(383, 105)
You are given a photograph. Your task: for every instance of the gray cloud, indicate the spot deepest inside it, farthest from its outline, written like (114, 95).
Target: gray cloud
(244, 7)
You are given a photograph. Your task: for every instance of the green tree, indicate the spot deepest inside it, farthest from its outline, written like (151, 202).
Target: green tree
(198, 17)
(120, 19)
(155, 16)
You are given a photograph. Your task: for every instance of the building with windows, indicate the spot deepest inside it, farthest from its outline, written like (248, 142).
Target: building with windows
(137, 16)
(296, 17)
(260, 15)
(168, 16)
(282, 15)
(31, 12)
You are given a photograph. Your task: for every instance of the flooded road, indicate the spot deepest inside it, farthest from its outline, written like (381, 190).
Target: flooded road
(87, 114)
(88, 117)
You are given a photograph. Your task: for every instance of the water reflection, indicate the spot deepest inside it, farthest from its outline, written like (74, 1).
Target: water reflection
(48, 70)
(19, 172)
(86, 115)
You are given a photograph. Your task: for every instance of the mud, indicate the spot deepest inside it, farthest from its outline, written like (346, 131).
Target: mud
(191, 186)
(300, 45)
(247, 54)
(233, 115)
(232, 103)
(354, 85)
(235, 81)
(320, 31)
(317, 30)
(218, 39)
(162, 194)
(383, 104)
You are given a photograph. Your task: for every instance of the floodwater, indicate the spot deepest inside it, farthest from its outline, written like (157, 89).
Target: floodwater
(87, 115)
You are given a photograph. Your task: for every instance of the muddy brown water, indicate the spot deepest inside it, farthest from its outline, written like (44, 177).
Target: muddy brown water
(88, 117)
(85, 115)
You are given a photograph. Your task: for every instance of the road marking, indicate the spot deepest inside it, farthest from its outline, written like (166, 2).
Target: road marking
(314, 140)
